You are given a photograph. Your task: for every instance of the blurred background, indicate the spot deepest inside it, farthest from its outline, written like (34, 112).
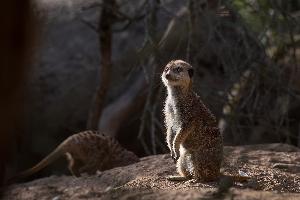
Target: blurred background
(73, 65)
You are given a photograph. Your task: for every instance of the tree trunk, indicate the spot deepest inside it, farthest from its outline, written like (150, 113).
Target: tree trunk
(16, 39)
(105, 40)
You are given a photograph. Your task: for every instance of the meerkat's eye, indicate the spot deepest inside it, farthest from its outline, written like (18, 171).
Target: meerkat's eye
(178, 69)
(166, 69)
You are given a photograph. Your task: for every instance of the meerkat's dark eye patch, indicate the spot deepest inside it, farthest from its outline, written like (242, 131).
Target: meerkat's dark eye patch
(191, 72)
(178, 69)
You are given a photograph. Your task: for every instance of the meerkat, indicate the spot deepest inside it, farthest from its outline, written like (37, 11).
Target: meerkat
(193, 138)
(86, 152)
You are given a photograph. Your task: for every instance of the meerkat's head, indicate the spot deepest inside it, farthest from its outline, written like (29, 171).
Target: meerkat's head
(177, 73)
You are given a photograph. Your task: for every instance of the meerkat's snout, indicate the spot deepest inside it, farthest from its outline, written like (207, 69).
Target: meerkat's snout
(168, 76)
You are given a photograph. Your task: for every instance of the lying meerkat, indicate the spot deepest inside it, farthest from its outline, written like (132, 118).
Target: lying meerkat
(86, 152)
(192, 134)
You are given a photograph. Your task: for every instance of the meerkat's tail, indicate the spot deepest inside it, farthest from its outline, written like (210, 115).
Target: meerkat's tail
(54, 155)
(240, 177)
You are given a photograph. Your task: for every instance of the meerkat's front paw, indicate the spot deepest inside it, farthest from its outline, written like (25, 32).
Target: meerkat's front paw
(174, 159)
(173, 156)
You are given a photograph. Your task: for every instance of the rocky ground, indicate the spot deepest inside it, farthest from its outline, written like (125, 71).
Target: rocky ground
(274, 170)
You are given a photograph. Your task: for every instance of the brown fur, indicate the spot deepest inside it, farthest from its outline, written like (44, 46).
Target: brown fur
(86, 152)
(192, 134)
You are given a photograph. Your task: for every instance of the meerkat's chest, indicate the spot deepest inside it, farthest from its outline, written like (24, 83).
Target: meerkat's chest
(173, 115)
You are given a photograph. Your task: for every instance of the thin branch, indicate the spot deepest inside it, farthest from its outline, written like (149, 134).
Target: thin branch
(89, 24)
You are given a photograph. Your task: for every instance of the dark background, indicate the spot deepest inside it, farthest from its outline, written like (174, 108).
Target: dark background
(68, 66)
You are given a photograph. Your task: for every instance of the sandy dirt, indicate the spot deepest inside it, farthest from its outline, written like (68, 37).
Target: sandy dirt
(274, 170)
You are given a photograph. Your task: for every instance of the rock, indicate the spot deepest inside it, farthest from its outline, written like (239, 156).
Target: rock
(146, 179)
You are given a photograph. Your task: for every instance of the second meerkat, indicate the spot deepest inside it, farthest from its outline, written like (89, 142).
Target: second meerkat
(86, 152)
(192, 134)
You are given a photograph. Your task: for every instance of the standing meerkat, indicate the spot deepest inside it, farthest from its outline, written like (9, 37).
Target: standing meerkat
(86, 152)
(192, 134)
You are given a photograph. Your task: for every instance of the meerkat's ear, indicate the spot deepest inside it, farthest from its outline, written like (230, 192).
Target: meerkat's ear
(191, 72)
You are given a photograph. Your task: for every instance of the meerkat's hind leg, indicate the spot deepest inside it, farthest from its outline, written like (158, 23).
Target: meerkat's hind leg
(182, 169)
(74, 165)
(207, 167)
(90, 167)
